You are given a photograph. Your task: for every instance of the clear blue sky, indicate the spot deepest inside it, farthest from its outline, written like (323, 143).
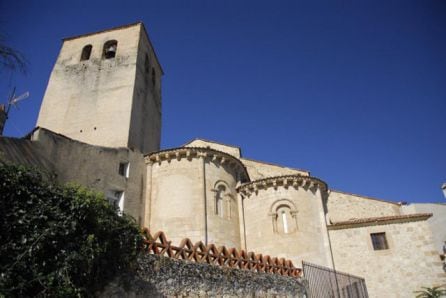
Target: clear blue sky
(353, 91)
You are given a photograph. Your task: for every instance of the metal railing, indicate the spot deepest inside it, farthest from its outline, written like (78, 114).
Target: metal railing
(324, 282)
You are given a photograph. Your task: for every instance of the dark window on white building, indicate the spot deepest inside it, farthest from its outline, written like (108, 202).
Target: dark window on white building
(124, 168)
(86, 52)
(110, 48)
(379, 241)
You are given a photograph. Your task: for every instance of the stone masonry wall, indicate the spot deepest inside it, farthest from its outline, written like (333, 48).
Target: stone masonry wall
(164, 277)
(192, 193)
(256, 169)
(437, 222)
(343, 206)
(74, 161)
(91, 100)
(307, 237)
(222, 229)
(145, 119)
(259, 170)
(177, 200)
(234, 151)
(410, 262)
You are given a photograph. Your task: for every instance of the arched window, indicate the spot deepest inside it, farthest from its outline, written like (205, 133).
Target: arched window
(219, 200)
(284, 217)
(284, 220)
(86, 52)
(110, 48)
(223, 200)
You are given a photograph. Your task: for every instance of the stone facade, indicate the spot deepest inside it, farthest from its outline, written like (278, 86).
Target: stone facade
(231, 150)
(113, 102)
(73, 161)
(410, 262)
(437, 222)
(259, 170)
(284, 216)
(100, 118)
(177, 198)
(344, 206)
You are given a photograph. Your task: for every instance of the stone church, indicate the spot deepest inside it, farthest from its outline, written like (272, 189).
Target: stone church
(100, 125)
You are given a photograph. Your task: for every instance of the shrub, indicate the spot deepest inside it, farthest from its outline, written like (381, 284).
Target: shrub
(434, 292)
(59, 240)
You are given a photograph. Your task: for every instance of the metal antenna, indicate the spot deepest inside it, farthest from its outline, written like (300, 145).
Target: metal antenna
(13, 100)
(4, 110)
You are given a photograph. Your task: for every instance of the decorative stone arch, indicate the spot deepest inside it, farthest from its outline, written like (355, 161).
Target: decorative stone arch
(223, 200)
(283, 213)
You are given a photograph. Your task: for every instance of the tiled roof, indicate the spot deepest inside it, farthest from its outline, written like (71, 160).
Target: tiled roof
(370, 221)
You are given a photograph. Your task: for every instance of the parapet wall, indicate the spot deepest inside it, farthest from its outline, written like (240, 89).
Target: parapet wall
(205, 271)
(159, 276)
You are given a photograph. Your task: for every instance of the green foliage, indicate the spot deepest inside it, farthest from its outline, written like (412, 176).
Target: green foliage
(434, 292)
(59, 241)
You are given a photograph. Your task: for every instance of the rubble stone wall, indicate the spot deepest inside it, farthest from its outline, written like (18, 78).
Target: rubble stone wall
(165, 277)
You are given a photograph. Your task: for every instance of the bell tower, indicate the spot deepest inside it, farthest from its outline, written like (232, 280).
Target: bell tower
(105, 89)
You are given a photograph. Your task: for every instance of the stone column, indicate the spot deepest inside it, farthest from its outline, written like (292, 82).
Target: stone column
(147, 195)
